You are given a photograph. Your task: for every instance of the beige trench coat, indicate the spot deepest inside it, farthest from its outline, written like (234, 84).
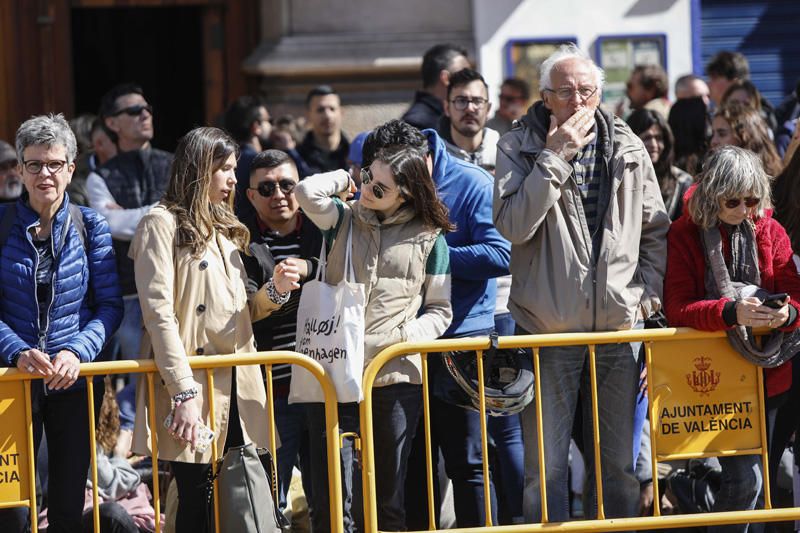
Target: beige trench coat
(195, 306)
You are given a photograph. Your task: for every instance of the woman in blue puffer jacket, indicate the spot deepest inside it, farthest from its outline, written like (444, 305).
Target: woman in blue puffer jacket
(60, 303)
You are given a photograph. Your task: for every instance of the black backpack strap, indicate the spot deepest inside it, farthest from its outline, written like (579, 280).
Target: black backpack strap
(76, 215)
(7, 221)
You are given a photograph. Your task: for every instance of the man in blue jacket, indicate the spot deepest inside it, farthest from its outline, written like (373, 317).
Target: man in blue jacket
(478, 254)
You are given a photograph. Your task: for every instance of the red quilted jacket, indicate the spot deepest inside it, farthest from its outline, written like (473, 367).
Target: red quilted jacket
(684, 283)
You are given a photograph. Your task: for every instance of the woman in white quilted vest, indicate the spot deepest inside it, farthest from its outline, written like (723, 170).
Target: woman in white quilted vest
(400, 255)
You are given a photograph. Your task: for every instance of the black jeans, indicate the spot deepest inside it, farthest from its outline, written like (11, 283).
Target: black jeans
(64, 417)
(317, 448)
(195, 508)
(396, 411)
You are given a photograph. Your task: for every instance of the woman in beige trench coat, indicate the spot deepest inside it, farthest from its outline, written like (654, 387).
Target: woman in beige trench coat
(191, 284)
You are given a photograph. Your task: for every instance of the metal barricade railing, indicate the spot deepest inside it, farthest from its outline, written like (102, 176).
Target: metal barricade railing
(148, 367)
(671, 341)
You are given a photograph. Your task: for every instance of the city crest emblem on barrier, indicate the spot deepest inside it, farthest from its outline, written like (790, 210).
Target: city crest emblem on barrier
(703, 379)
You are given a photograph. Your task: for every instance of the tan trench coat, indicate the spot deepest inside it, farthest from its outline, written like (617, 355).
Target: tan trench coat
(195, 306)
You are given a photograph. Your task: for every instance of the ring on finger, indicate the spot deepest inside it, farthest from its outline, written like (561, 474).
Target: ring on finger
(30, 369)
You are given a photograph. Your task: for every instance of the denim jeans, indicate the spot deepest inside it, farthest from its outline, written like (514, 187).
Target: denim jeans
(396, 410)
(290, 419)
(506, 433)
(126, 400)
(741, 483)
(565, 374)
(458, 433)
(128, 339)
(129, 334)
(318, 451)
(508, 466)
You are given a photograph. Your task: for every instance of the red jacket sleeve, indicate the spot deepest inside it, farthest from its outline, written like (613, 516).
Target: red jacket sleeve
(786, 278)
(684, 282)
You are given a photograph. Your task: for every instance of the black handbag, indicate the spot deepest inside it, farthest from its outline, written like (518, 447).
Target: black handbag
(246, 488)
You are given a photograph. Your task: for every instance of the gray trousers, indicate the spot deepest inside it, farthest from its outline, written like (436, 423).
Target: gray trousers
(564, 374)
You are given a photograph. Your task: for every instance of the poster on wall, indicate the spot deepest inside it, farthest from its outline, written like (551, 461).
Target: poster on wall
(618, 55)
(525, 56)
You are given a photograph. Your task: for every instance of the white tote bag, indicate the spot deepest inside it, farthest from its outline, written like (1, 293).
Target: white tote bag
(330, 330)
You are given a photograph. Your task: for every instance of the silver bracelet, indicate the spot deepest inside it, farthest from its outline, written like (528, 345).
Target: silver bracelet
(274, 295)
(183, 396)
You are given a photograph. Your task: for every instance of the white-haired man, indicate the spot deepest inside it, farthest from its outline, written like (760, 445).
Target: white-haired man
(577, 196)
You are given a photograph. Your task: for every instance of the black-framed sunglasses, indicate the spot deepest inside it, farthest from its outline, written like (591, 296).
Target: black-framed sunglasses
(267, 188)
(378, 189)
(133, 110)
(750, 201)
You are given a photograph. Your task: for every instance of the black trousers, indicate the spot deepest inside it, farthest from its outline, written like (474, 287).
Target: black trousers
(64, 417)
(195, 509)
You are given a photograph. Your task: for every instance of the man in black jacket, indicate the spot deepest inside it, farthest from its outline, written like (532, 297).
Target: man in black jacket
(278, 231)
(438, 64)
(125, 188)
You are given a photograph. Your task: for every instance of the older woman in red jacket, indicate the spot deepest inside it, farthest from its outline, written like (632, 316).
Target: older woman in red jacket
(726, 219)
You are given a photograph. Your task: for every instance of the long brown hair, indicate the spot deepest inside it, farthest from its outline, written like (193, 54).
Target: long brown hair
(410, 172)
(199, 154)
(108, 419)
(786, 194)
(751, 130)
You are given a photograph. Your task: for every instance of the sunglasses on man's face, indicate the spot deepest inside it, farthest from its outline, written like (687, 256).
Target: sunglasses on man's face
(267, 188)
(134, 110)
(733, 203)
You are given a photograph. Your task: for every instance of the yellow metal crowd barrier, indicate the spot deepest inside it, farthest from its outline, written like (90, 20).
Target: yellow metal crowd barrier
(705, 400)
(17, 466)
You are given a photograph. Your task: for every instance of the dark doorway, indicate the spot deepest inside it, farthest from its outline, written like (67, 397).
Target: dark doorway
(160, 48)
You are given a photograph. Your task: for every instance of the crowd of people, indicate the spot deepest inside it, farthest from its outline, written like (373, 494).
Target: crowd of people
(548, 217)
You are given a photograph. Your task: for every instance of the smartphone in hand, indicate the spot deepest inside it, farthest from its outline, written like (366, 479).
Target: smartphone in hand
(204, 434)
(776, 301)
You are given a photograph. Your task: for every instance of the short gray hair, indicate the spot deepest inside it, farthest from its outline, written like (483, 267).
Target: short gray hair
(728, 172)
(48, 130)
(564, 52)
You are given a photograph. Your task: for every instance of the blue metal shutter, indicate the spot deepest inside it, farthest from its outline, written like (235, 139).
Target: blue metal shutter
(766, 32)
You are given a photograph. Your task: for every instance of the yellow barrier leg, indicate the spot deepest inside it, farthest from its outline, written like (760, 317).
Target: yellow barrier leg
(648, 352)
(764, 442)
(334, 466)
(426, 413)
(539, 437)
(31, 458)
(368, 463)
(598, 473)
(487, 496)
(273, 444)
(214, 450)
(93, 452)
(151, 411)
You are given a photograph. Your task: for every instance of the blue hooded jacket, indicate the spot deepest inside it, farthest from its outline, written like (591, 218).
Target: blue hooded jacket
(86, 308)
(478, 254)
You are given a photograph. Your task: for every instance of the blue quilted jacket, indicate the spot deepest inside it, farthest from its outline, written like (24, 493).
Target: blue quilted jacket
(86, 307)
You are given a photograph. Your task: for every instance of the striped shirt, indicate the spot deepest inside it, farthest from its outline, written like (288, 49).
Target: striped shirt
(278, 329)
(587, 170)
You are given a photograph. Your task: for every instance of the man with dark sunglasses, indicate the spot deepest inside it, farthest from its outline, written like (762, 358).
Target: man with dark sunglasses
(514, 96)
(279, 231)
(124, 189)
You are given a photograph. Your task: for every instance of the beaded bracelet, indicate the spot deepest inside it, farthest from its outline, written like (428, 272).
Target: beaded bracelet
(274, 295)
(183, 396)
